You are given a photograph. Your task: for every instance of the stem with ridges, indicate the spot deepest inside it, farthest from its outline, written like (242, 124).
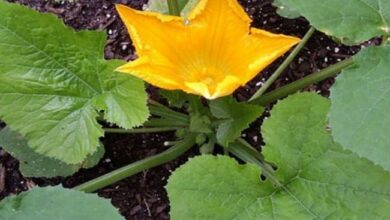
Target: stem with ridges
(173, 6)
(163, 108)
(169, 114)
(139, 130)
(139, 166)
(251, 149)
(302, 83)
(163, 122)
(385, 40)
(244, 153)
(284, 65)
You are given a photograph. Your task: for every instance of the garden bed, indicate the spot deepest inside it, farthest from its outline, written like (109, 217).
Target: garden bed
(143, 196)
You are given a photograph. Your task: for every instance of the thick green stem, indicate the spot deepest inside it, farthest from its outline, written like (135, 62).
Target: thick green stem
(251, 150)
(302, 83)
(248, 155)
(195, 103)
(139, 166)
(139, 130)
(284, 65)
(162, 122)
(173, 6)
(385, 40)
(168, 113)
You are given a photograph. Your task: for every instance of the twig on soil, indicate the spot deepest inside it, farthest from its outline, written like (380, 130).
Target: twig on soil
(147, 208)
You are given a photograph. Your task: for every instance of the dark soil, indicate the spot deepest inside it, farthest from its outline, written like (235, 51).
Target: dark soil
(143, 196)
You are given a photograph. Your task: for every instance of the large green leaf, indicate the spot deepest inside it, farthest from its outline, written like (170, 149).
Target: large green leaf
(352, 21)
(285, 11)
(53, 80)
(319, 179)
(32, 164)
(359, 116)
(236, 117)
(57, 203)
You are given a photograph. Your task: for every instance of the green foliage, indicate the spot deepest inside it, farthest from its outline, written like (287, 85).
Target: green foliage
(319, 179)
(285, 11)
(175, 98)
(57, 203)
(209, 187)
(200, 124)
(53, 80)
(161, 6)
(352, 21)
(359, 116)
(32, 164)
(188, 7)
(296, 132)
(236, 117)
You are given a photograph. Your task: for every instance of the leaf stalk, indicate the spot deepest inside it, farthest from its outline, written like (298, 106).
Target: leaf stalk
(302, 83)
(250, 155)
(284, 65)
(173, 7)
(139, 130)
(139, 166)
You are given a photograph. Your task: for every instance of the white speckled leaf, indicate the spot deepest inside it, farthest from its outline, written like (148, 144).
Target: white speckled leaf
(320, 179)
(352, 21)
(285, 11)
(359, 116)
(53, 80)
(57, 203)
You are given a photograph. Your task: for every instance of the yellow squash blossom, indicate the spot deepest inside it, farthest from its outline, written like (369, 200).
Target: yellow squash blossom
(210, 53)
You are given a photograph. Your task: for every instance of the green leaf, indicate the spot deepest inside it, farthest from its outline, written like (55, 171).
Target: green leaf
(320, 180)
(53, 80)
(32, 164)
(191, 4)
(57, 203)
(161, 6)
(200, 124)
(209, 187)
(236, 118)
(359, 116)
(285, 11)
(176, 98)
(352, 21)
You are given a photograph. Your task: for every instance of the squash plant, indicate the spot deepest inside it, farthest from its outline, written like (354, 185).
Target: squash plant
(323, 158)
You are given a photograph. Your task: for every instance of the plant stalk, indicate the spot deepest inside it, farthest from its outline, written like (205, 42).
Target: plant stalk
(138, 166)
(385, 40)
(162, 122)
(163, 111)
(139, 130)
(252, 156)
(173, 6)
(284, 65)
(168, 114)
(302, 83)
